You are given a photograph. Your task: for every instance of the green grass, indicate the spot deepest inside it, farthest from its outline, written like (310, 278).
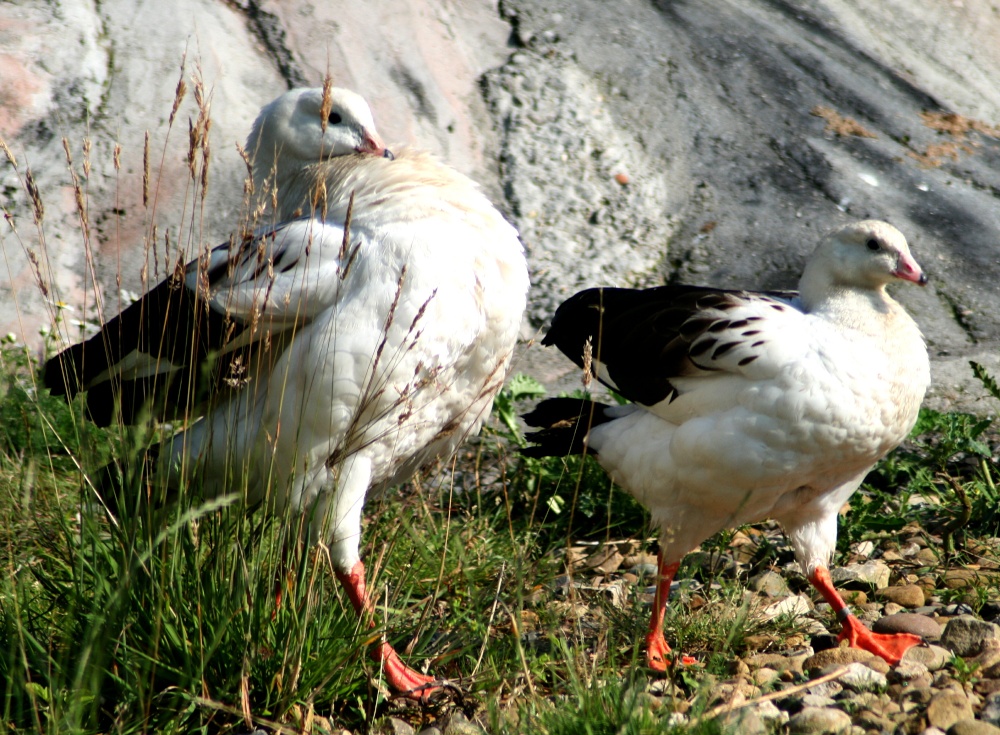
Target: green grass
(163, 618)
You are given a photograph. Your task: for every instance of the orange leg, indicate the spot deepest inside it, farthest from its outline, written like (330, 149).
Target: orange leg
(890, 647)
(656, 645)
(400, 677)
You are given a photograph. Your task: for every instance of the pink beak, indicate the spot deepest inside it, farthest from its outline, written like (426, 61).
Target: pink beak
(373, 145)
(908, 270)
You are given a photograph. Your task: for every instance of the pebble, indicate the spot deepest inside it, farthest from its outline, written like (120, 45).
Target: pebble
(907, 595)
(819, 721)
(921, 625)
(956, 579)
(768, 711)
(835, 657)
(816, 701)
(770, 584)
(956, 608)
(764, 677)
(933, 657)
(392, 726)
(927, 610)
(871, 573)
(745, 721)
(891, 608)
(991, 709)
(777, 662)
(964, 635)
(878, 664)
(907, 670)
(795, 606)
(973, 727)
(459, 724)
(827, 689)
(861, 678)
(871, 721)
(948, 708)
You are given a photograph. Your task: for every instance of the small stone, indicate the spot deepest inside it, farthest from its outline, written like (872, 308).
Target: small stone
(934, 658)
(459, 724)
(745, 721)
(777, 662)
(891, 608)
(920, 625)
(868, 720)
(973, 727)
(991, 709)
(879, 665)
(817, 700)
(835, 657)
(768, 711)
(907, 670)
(956, 579)
(392, 726)
(964, 635)
(795, 606)
(759, 641)
(987, 687)
(948, 708)
(819, 721)
(907, 595)
(640, 559)
(827, 689)
(957, 608)
(770, 584)
(870, 574)
(861, 678)
(856, 598)
(764, 677)
(927, 555)
(430, 731)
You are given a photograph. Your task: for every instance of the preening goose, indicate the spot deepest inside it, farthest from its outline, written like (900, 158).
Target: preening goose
(311, 367)
(748, 405)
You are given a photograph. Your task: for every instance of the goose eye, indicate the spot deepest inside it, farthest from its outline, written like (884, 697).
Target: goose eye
(873, 244)
(335, 118)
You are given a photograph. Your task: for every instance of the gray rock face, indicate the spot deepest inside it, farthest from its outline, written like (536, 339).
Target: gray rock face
(632, 144)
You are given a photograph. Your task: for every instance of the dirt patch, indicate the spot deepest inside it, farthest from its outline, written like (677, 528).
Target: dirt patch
(841, 125)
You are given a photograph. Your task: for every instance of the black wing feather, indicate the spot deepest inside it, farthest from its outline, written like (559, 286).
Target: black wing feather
(646, 337)
(173, 324)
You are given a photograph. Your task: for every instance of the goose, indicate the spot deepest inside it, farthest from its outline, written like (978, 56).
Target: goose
(748, 405)
(327, 356)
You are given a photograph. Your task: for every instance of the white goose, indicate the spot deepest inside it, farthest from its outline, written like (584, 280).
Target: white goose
(335, 365)
(749, 405)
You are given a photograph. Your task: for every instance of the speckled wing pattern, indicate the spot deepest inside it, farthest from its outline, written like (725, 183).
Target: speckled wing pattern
(641, 341)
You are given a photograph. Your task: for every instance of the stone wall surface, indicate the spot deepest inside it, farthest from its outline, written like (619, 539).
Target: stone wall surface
(632, 143)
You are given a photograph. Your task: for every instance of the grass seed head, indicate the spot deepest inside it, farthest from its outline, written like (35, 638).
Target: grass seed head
(7, 152)
(324, 109)
(145, 171)
(37, 208)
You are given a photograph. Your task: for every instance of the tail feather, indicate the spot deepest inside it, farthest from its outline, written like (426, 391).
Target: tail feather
(564, 424)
